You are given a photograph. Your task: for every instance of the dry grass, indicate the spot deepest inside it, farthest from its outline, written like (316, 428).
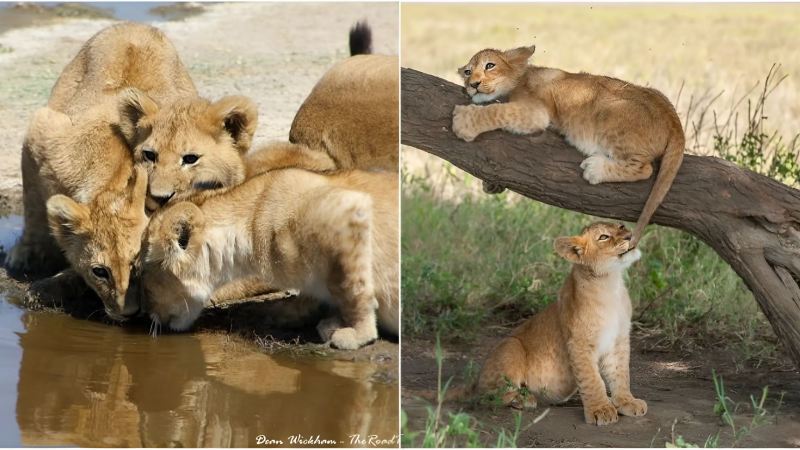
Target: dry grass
(691, 52)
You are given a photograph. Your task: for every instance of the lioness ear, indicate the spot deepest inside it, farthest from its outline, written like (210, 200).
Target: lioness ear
(569, 248)
(238, 116)
(520, 55)
(136, 111)
(67, 218)
(137, 188)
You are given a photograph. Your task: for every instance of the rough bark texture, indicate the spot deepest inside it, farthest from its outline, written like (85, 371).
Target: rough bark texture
(751, 221)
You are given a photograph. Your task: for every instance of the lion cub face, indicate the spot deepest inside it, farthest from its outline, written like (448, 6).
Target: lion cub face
(191, 145)
(602, 246)
(174, 268)
(491, 74)
(101, 240)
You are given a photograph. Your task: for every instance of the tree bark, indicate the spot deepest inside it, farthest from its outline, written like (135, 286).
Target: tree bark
(750, 220)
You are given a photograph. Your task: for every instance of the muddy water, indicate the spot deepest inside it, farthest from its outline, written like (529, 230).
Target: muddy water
(65, 382)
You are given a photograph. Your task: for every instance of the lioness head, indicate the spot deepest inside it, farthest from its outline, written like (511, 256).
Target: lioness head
(491, 74)
(191, 145)
(101, 240)
(175, 270)
(603, 246)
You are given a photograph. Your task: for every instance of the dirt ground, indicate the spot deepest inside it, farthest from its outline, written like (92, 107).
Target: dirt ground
(273, 53)
(677, 386)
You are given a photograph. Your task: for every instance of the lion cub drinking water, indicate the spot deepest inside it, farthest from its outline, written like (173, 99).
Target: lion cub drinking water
(578, 341)
(621, 128)
(332, 237)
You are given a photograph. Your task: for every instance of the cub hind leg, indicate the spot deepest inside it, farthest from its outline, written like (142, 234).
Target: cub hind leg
(341, 222)
(599, 168)
(508, 363)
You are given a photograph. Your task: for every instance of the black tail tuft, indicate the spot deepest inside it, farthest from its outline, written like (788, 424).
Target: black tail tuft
(360, 39)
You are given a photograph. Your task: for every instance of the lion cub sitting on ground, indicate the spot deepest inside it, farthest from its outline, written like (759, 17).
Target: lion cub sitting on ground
(578, 341)
(620, 127)
(331, 237)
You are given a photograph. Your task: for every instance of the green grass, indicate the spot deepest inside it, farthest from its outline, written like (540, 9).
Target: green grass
(483, 261)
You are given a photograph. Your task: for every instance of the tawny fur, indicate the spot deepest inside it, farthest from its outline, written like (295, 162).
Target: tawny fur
(331, 237)
(79, 180)
(352, 114)
(192, 145)
(580, 342)
(620, 127)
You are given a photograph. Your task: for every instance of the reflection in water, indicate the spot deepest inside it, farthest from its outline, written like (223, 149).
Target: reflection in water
(88, 384)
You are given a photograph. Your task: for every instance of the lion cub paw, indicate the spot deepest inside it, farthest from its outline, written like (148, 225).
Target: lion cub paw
(333, 330)
(632, 407)
(463, 122)
(603, 415)
(594, 169)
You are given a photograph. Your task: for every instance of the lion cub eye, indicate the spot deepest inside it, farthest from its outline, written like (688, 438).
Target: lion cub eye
(100, 272)
(603, 237)
(489, 66)
(150, 155)
(467, 72)
(189, 159)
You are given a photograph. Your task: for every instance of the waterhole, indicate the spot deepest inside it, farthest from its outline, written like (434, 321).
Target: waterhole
(66, 381)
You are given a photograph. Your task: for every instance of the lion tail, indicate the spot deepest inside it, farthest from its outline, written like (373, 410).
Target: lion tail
(360, 39)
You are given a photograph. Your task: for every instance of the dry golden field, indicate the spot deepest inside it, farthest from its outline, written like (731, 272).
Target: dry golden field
(706, 48)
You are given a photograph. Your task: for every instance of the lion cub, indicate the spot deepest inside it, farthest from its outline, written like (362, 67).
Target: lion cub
(578, 341)
(331, 237)
(620, 127)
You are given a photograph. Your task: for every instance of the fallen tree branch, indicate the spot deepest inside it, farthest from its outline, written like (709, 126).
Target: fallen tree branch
(751, 221)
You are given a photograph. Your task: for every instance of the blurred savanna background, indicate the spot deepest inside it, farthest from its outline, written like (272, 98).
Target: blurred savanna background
(476, 265)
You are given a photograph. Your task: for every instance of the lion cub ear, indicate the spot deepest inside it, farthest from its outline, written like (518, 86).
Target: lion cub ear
(67, 218)
(570, 248)
(178, 235)
(519, 56)
(136, 113)
(238, 116)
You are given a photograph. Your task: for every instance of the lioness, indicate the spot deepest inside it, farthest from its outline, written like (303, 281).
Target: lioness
(332, 237)
(78, 174)
(620, 127)
(575, 342)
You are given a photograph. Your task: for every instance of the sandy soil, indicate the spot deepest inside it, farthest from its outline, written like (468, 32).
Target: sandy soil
(677, 387)
(273, 53)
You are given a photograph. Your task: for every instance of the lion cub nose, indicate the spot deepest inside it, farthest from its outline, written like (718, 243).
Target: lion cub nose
(475, 84)
(163, 200)
(628, 237)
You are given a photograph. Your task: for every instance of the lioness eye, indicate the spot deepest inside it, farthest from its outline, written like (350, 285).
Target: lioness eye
(603, 237)
(190, 159)
(150, 155)
(100, 272)
(467, 72)
(489, 65)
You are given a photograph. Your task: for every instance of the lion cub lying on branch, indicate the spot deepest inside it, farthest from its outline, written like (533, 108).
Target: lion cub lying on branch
(621, 128)
(332, 237)
(571, 343)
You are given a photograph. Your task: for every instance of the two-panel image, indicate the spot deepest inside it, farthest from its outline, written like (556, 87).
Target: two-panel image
(390, 224)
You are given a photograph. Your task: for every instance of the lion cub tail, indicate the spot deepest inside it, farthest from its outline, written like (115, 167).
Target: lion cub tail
(670, 163)
(360, 39)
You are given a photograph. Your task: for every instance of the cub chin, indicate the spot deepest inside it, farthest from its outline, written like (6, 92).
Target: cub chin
(576, 342)
(330, 237)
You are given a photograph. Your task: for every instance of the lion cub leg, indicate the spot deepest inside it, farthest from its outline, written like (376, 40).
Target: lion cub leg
(599, 168)
(36, 251)
(522, 118)
(507, 362)
(616, 369)
(597, 408)
(342, 222)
